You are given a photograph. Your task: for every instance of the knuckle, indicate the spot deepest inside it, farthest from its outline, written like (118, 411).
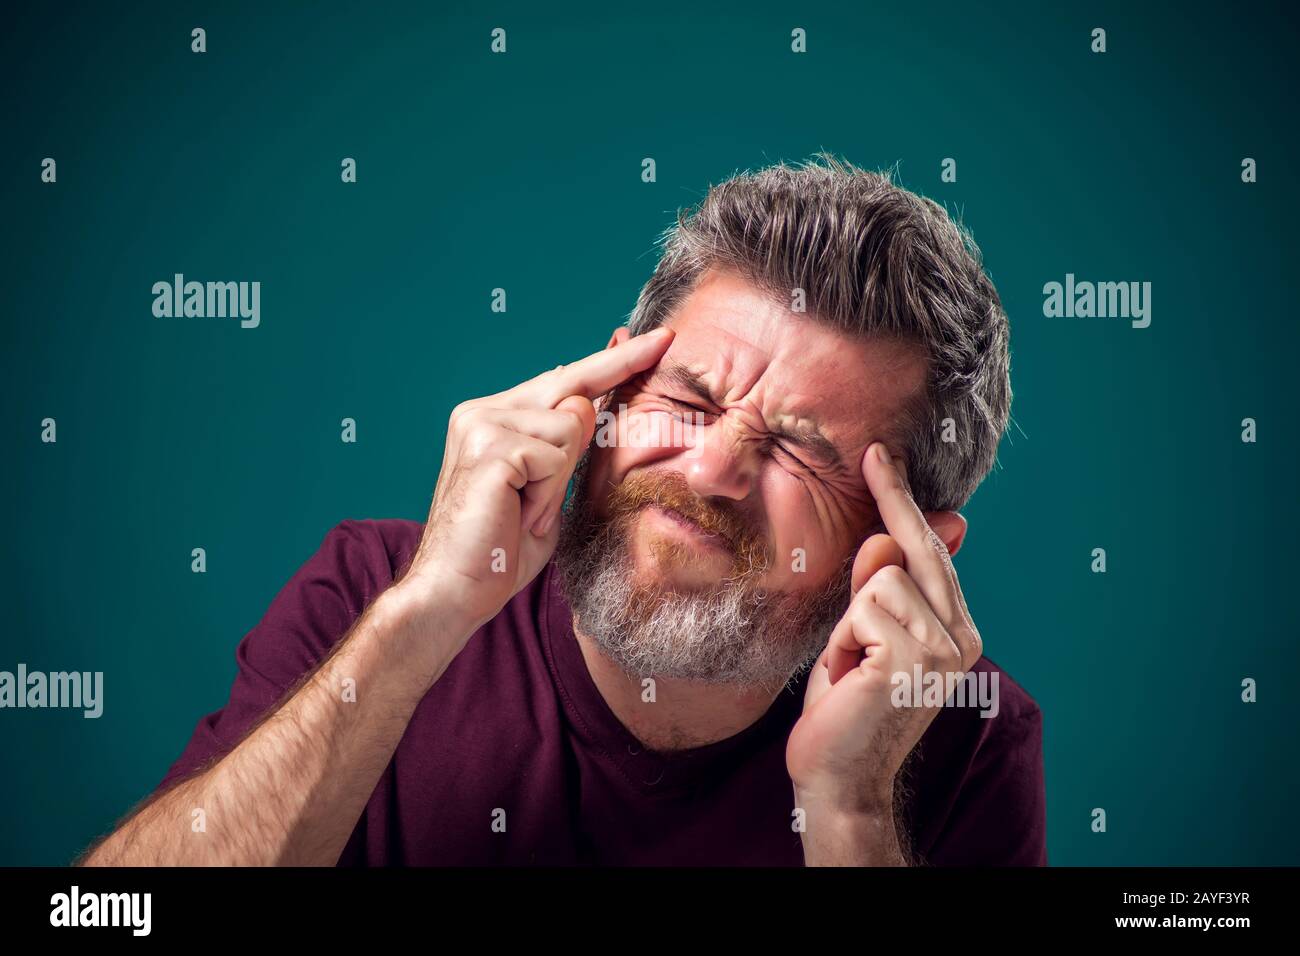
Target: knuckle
(968, 643)
(949, 657)
(556, 459)
(880, 655)
(875, 680)
(465, 416)
(506, 469)
(857, 610)
(862, 617)
(478, 443)
(461, 410)
(890, 576)
(517, 461)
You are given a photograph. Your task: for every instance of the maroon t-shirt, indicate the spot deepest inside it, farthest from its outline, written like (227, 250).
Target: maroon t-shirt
(516, 724)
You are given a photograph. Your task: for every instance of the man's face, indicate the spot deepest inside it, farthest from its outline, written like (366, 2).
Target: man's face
(788, 408)
(752, 483)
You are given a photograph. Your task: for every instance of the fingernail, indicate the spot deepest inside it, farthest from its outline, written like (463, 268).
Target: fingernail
(882, 453)
(544, 526)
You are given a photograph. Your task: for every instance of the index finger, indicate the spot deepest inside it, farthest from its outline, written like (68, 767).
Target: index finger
(596, 374)
(927, 557)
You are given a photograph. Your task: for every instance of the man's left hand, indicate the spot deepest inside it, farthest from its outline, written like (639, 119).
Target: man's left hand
(907, 609)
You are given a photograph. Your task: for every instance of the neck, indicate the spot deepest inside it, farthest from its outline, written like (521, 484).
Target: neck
(683, 714)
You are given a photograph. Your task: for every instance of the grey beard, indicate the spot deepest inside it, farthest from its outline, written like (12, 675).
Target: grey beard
(735, 633)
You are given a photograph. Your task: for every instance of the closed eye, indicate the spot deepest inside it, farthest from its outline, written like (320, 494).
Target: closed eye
(772, 442)
(689, 407)
(788, 453)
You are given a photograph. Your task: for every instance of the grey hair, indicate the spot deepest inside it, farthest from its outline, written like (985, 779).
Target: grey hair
(873, 260)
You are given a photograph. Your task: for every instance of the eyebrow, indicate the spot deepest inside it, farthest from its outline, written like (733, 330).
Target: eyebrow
(808, 437)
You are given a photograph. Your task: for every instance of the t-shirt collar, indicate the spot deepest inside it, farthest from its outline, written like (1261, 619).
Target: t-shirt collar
(598, 728)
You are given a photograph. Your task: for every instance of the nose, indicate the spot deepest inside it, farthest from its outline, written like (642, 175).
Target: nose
(722, 462)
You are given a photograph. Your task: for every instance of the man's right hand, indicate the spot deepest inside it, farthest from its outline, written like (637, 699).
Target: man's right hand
(279, 796)
(505, 472)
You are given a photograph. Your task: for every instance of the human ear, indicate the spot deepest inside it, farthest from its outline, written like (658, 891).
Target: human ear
(949, 526)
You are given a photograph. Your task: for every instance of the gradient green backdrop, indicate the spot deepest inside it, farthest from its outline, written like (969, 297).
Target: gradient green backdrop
(523, 171)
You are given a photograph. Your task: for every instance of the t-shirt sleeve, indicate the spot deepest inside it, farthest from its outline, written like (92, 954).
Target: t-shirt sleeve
(311, 613)
(1000, 814)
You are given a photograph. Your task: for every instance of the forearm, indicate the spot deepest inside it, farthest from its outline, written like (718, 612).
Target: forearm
(292, 791)
(860, 837)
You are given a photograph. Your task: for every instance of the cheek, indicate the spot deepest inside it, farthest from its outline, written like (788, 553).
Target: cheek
(805, 514)
(628, 437)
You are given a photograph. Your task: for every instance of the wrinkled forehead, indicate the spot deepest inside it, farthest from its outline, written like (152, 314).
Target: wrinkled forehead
(750, 347)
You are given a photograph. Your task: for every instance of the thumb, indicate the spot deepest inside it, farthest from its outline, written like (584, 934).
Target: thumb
(581, 406)
(878, 551)
(543, 516)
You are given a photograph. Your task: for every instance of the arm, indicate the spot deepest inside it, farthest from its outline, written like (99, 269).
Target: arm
(292, 790)
(863, 837)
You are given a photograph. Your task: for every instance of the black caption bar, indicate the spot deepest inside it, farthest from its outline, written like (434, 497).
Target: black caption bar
(332, 906)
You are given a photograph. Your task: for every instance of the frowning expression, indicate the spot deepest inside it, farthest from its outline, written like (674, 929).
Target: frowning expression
(769, 413)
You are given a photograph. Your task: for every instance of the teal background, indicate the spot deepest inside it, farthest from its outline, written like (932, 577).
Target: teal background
(523, 171)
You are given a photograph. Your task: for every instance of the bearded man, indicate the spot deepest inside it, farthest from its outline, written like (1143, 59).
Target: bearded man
(697, 656)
